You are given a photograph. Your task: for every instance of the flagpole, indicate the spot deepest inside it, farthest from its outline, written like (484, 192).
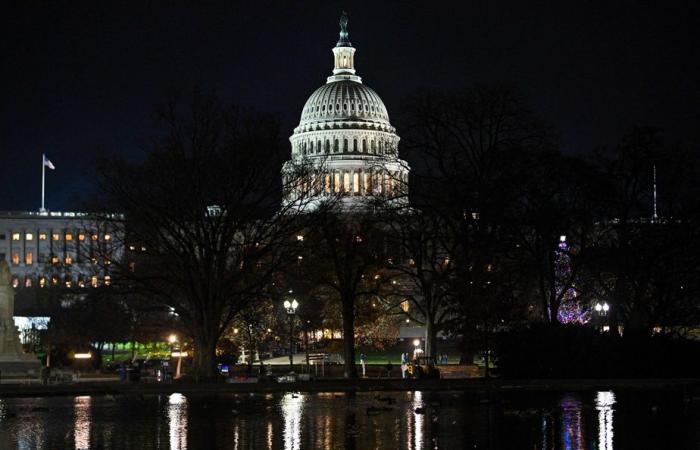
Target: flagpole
(43, 176)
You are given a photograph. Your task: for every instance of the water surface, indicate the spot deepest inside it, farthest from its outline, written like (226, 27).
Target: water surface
(603, 420)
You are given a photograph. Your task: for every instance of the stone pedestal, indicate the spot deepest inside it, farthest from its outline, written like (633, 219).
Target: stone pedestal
(13, 360)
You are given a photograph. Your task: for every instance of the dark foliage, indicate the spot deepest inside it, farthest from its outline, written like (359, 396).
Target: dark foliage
(581, 352)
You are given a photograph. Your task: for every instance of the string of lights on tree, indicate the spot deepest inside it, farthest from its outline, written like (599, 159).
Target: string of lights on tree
(571, 310)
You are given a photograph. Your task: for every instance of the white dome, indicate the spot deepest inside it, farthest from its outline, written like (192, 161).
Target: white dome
(345, 133)
(344, 100)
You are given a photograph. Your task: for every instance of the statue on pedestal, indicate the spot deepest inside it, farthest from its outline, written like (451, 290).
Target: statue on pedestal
(13, 360)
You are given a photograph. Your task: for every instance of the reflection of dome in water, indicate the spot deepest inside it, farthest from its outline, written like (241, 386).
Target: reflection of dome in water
(345, 127)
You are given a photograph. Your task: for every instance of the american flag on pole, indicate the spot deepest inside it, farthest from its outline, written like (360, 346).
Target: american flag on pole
(48, 163)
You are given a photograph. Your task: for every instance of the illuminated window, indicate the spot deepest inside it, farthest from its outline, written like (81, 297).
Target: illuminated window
(28, 282)
(327, 184)
(336, 182)
(81, 283)
(42, 236)
(28, 258)
(108, 237)
(107, 262)
(54, 280)
(15, 236)
(346, 182)
(108, 280)
(54, 260)
(15, 282)
(28, 237)
(93, 237)
(367, 182)
(69, 236)
(56, 237)
(81, 237)
(68, 260)
(405, 306)
(15, 259)
(93, 281)
(94, 261)
(300, 237)
(356, 183)
(42, 282)
(69, 283)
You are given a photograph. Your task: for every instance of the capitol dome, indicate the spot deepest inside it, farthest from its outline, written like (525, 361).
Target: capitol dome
(344, 100)
(345, 133)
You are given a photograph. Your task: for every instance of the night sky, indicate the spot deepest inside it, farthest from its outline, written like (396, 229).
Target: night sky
(81, 79)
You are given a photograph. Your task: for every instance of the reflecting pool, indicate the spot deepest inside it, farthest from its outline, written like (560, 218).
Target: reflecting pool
(604, 420)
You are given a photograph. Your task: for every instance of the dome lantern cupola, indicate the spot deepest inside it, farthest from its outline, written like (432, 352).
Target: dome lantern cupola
(344, 55)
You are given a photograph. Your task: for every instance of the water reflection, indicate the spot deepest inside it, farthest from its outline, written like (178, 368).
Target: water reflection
(292, 407)
(572, 423)
(177, 421)
(546, 421)
(417, 421)
(81, 422)
(604, 404)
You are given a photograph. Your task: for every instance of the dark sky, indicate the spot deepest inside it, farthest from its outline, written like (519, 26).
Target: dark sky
(79, 79)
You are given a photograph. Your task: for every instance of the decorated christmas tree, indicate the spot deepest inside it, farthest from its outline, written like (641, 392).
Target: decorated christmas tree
(571, 310)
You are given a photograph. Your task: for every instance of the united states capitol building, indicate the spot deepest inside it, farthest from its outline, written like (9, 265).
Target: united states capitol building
(345, 134)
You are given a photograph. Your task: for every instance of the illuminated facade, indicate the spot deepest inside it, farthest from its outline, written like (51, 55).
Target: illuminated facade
(64, 249)
(345, 134)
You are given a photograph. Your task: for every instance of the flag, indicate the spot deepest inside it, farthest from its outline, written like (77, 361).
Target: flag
(48, 163)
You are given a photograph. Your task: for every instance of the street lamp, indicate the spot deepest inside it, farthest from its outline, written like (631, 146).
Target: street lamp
(602, 310)
(291, 308)
(173, 340)
(416, 349)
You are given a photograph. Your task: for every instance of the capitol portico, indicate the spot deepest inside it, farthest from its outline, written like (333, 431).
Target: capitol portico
(345, 135)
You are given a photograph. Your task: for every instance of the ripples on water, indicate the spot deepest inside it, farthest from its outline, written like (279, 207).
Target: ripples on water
(408, 420)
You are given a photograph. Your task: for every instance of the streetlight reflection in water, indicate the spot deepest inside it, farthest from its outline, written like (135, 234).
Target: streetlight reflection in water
(292, 408)
(81, 428)
(177, 421)
(417, 421)
(604, 404)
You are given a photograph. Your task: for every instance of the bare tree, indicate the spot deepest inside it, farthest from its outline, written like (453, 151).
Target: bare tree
(422, 271)
(345, 250)
(201, 224)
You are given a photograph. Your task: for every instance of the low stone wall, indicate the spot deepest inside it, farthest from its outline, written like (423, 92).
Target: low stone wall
(451, 371)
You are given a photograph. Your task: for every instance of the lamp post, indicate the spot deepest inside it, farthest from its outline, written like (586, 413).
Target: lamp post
(173, 340)
(291, 308)
(602, 310)
(416, 345)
